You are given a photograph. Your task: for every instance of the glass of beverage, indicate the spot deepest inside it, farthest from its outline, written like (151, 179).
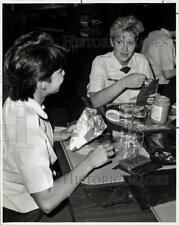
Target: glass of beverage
(139, 116)
(139, 142)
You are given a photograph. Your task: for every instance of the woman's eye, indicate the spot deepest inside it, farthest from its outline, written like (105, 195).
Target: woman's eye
(119, 42)
(131, 43)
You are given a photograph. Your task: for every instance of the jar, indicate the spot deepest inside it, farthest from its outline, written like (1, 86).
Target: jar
(160, 109)
(173, 111)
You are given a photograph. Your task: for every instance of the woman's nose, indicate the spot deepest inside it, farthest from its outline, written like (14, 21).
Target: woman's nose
(125, 47)
(63, 73)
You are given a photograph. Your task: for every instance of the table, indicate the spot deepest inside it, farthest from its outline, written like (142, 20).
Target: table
(84, 210)
(165, 212)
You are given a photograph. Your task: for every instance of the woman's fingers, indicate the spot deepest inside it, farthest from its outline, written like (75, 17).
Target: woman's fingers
(148, 80)
(151, 98)
(71, 128)
(109, 150)
(110, 153)
(152, 95)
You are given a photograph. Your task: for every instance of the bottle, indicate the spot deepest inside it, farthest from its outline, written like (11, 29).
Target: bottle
(160, 109)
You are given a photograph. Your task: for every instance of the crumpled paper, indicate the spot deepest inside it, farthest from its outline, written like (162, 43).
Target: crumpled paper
(89, 126)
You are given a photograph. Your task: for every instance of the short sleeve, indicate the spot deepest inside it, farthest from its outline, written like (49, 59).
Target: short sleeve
(163, 54)
(97, 76)
(167, 57)
(33, 161)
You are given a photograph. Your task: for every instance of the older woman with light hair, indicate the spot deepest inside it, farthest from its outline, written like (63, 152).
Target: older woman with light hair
(117, 76)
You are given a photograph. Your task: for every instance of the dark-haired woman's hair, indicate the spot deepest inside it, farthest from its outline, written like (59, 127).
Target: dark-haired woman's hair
(32, 58)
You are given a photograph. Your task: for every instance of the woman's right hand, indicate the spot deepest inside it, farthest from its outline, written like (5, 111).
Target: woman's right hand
(134, 80)
(100, 155)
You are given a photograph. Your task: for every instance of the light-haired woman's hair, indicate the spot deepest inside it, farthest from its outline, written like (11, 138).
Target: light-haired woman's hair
(128, 23)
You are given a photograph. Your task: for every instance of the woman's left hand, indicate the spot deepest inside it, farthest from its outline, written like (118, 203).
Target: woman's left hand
(151, 99)
(64, 134)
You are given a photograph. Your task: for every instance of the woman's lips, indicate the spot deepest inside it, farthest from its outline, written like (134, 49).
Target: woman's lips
(124, 54)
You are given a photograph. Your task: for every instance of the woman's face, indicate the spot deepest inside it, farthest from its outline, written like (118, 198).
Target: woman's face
(56, 81)
(124, 46)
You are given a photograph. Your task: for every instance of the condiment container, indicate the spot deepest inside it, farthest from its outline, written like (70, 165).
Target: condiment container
(173, 110)
(160, 109)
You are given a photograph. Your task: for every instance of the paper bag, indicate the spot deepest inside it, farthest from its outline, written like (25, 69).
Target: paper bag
(89, 126)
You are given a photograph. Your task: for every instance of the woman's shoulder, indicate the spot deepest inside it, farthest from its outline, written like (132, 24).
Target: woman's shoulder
(22, 111)
(103, 57)
(140, 58)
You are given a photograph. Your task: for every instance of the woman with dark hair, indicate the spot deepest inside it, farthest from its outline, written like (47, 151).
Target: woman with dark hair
(31, 58)
(118, 75)
(34, 66)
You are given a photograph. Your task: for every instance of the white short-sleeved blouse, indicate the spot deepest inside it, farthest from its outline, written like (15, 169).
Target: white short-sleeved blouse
(106, 70)
(159, 49)
(27, 153)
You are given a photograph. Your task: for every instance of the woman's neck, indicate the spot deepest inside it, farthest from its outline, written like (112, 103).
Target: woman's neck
(124, 63)
(39, 97)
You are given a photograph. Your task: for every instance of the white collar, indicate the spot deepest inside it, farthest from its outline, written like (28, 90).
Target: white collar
(36, 107)
(116, 60)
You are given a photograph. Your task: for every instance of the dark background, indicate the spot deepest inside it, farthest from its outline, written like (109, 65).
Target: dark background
(63, 21)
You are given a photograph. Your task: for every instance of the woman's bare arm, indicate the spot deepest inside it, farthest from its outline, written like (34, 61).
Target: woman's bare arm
(49, 199)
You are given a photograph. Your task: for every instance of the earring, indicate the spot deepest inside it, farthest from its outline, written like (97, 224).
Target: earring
(43, 86)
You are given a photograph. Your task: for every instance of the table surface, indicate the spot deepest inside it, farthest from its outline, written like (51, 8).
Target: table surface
(85, 210)
(165, 212)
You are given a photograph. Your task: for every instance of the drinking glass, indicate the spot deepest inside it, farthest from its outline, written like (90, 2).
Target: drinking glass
(129, 143)
(138, 144)
(139, 116)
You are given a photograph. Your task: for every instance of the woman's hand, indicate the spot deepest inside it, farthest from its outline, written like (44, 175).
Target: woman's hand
(151, 99)
(134, 80)
(64, 134)
(100, 155)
